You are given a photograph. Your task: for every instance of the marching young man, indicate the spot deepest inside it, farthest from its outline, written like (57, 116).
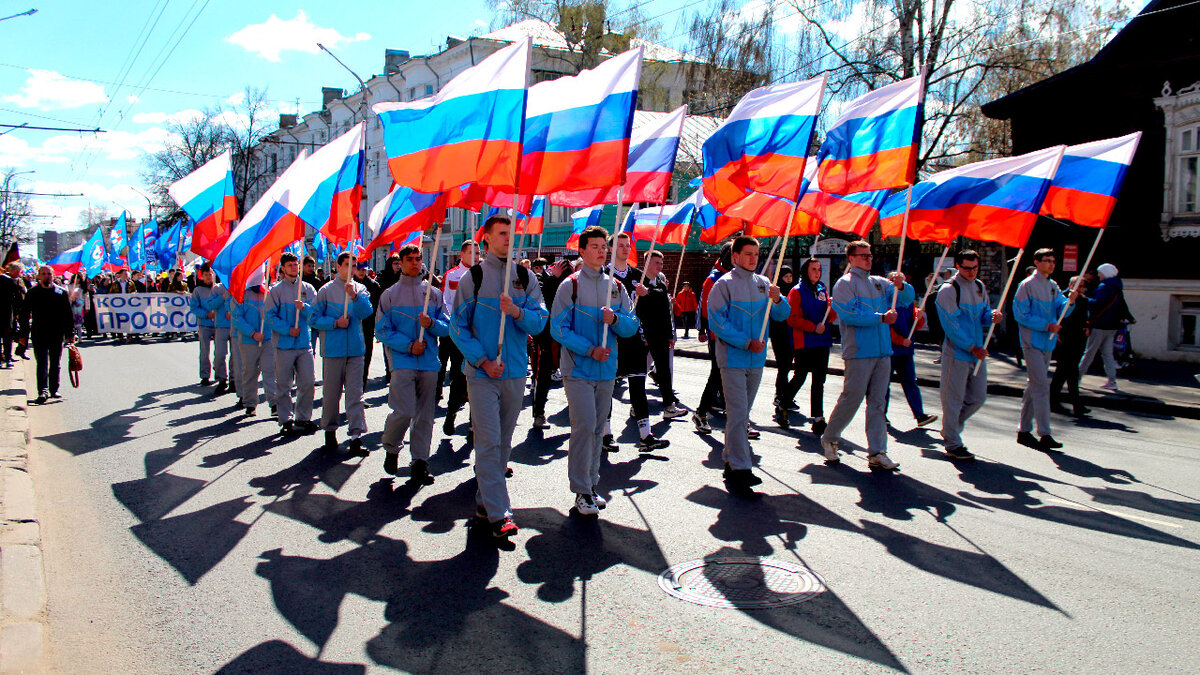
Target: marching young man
(495, 379)
(412, 389)
(228, 362)
(451, 359)
(962, 305)
(289, 308)
(736, 308)
(1036, 307)
(658, 328)
(861, 301)
(256, 353)
(204, 304)
(338, 313)
(584, 308)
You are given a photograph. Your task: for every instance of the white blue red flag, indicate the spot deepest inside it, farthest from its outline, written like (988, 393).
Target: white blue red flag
(763, 144)
(469, 132)
(872, 145)
(1085, 188)
(69, 261)
(401, 213)
(580, 221)
(535, 221)
(207, 195)
(264, 231)
(997, 200)
(325, 190)
(671, 223)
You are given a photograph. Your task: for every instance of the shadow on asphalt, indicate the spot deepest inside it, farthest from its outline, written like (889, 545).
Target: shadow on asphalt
(276, 656)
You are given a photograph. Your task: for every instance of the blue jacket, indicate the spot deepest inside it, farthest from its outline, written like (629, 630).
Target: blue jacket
(248, 317)
(1037, 304)
(475, 321)
(860, 301)
(965, 318)
(1106, 307)
(345, 342)
(281, 313)
(737, 305)
(205, 299)
(576, 323)
(905, 317)
(397, 324)
(226, 306)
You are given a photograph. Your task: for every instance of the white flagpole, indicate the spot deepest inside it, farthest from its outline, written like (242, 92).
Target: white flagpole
(1083, 269)
(903, 240)
(929, 288)
(775, 279)
(612, 266)
(437, 238)
(1012, 274)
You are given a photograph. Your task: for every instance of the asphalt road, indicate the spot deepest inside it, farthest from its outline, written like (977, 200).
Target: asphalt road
(181, 538)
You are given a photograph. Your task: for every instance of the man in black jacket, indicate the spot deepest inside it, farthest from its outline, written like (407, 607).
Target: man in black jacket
(543, 344)
(48, 308)
(10, 308)
(658, 329)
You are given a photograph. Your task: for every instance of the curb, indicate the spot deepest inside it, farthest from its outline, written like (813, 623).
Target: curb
(22, 579)
(1123, 403)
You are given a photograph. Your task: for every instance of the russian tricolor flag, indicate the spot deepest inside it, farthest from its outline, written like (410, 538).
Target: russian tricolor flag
(325, 190)
(714, 227)
(580, 221)
(672, 223)
(207, 195)
(68, 262)
(997, 200)
(1084, 190)
(402, 213)
(873, 144)
(265, 230)
(536, 220)
(763, 144)
(469, 132)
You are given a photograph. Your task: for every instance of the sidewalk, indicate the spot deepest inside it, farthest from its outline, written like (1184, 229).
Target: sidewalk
(1151, 387)
(22, 584)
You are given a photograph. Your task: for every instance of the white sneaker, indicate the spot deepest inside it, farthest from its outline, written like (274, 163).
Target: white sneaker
(701, 422)
(674, 410)
(585, 505)
(556, 376)
(831, 450)
(880, 460)
(1110, 385)
(601, 502)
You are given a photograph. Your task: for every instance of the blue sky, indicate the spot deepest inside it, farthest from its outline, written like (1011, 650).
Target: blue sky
(61, 68)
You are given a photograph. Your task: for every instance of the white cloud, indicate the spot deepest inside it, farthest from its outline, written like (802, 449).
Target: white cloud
(164, 118)
(236, 99)
(48, 90)
(132, 98)
(114, 146)
(274, 36)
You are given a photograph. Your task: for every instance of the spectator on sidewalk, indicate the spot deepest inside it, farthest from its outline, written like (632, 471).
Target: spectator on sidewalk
(685, 307)
(48, 311)
(10, 310)
(1107, 313)
(1037, 305)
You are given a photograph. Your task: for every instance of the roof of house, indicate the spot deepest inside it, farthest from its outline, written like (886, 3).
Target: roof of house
(545, 35)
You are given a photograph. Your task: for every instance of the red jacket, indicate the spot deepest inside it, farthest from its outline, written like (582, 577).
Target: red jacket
(685, 301)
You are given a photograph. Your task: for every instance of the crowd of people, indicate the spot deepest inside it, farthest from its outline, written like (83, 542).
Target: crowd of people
(489, 325)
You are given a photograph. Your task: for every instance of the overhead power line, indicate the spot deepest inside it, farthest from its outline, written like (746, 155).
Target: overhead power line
(32, 128)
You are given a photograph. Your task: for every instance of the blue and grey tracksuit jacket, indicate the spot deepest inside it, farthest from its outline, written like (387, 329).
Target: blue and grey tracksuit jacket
(965, 319)
(576, 323)
(904, 316)
(860, 301)
(281, 313)
(397, 324)
(205, 299)
(1037, 304)
(248, 316)
(345, 342)
(736, 306)
(226, 305)
(475, 320)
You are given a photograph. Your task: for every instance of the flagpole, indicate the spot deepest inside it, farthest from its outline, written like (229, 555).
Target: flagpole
(437, 238)
(929, 287)
(903, 240)
(775, 279)
(774, 247)
(507, 275)
(1086, 262)
(346, 296)
(300, 287)
(612, 266)
(657, 230)
(1012, 274)
(541, 238)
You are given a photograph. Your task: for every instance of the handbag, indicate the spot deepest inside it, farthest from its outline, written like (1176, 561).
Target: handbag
(74, 364)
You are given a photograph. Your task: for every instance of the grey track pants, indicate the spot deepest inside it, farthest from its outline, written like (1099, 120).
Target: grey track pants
(204, 336)
(224, 358)
(256, 359)
(740, 386)
(495, 405)
(412, 395)
(343, 374)
(864, 379)
(963, 393)
(588, 402)
(294, 365)
(1035, 404)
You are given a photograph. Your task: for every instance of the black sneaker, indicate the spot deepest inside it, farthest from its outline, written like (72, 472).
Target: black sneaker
(740, 478)
(287, 428)
(250, 412)
(274, 410)
(960, 452)
(307, 427)
(781, 418)
(508, 472)
(1028, 440)
(1081, 411)
(331, 442)
(1049, 444)
(481, 513)
(419, 472)
(391, 463)
(356, 447)
(818, 426)
(926, 419)
(607, 444)
(650, 443)
(204, 382)
(752, 433)
(55, 395)
(41, 398)
(222, 386)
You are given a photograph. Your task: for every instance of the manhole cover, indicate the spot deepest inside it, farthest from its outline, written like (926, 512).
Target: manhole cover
(741, 583)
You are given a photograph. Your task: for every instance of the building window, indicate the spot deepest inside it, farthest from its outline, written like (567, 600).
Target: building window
(1189, 323)
(412, 93)
(429, 90)
(1189, 169)
(272, 167)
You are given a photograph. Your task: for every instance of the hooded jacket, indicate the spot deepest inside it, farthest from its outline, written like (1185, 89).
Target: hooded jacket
(248, 316)
(965, 315)
(281, 313)
(205, 299)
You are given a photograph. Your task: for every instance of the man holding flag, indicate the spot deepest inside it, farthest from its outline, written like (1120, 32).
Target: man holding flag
(338, 313)
(204, 303)
(256, 351)
(289, 307)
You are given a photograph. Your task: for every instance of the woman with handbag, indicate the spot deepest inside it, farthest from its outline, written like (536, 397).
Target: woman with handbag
(1107, 314)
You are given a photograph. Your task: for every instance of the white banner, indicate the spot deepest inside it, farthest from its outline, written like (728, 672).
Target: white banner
(144, 313)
